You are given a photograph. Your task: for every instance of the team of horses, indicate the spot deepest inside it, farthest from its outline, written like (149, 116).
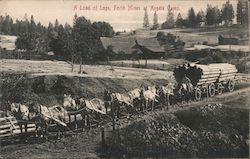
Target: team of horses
(137, 100)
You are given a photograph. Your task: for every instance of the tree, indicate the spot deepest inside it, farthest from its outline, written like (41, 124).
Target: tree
(242, 12)
(69, 44)
(155, 22)
(6, 26)
(218, 16)
(213, 15)
(145, 19)
(83, 39)
(179, 21)
(56, 25)
(200, 17)
(227, 13)
(32, 26)
(169, 23)
(103, 29)
(191, 18)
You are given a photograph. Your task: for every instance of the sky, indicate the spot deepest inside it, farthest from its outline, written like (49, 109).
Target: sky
(122, 15)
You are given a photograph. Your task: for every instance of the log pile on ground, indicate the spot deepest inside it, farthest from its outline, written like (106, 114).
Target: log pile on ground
(201, 74)
(168, 135)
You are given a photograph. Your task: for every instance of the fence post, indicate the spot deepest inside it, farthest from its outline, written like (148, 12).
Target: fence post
(103, 139)
(76, 126)
(113, 123)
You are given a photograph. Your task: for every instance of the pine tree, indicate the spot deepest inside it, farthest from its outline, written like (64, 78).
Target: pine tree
(56, 25)
(32, 27)
(227, 13)
(242, 12)
(145, 19)
(169, 23)
(179, 21)
(218, 15)
(191, 18)
(200, 17)
(155, 22)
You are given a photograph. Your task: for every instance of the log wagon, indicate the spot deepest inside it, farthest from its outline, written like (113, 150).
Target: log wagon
(207, 79)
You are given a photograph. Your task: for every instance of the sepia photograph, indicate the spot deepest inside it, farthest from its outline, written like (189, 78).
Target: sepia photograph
(124, 79)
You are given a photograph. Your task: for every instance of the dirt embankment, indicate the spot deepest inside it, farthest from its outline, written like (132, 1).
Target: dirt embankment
(212, 130)
(49, 89)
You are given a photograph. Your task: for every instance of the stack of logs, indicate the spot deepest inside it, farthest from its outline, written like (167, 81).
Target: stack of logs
(205, 74)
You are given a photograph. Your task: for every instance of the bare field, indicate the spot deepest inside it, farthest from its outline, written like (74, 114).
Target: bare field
(63, 68)
(194, 35)
(168, 64)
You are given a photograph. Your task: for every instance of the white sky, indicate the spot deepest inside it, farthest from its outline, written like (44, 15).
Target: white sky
(45, 11)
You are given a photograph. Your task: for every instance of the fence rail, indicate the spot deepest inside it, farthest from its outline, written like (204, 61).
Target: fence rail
(243, 77)
(9, 127)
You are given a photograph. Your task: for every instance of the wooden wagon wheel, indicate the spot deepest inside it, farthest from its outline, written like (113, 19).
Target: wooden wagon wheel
(219, 88)
(211, 90)
(197, 94)
(230, 85)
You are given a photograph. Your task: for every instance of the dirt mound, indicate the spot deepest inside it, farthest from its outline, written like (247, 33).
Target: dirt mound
(49, 89)
(207, 131)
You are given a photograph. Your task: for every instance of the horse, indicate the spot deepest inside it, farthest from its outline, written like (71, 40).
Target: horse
(149, 97)
(43, 116)
(21, 113)
(94, 106)
(166, 94)
(135, 93)
(70, 105)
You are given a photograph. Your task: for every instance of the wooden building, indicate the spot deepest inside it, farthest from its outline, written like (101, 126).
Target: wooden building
(130, 47)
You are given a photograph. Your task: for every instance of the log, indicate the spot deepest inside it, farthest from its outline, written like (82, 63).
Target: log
(217, 77)
(232, 76)
(200, 74)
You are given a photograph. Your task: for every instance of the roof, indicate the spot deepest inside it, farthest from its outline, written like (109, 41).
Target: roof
(7, 42)
(229, 36)
(125, 44)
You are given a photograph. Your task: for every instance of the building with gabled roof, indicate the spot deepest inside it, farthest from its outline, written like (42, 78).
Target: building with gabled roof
(127, 47)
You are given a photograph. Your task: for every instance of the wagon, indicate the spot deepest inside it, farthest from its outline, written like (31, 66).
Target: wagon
(207, 79)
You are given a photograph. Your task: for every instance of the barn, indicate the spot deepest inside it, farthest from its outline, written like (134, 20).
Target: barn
(130, 47)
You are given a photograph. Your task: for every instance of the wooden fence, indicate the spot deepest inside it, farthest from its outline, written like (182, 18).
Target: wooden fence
(9, 127)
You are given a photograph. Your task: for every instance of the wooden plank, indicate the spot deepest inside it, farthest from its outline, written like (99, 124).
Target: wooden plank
(8, 122)
(18, 131)
(78, 118)
(5, 131)
(7, 118)
(5, 135)
(31, 125)
(5, 126)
